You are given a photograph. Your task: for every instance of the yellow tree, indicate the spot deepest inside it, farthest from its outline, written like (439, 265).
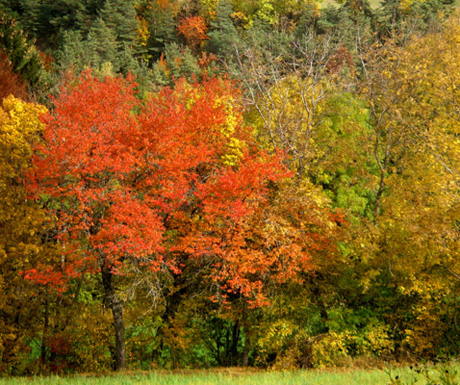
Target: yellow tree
(32, 312)
(412, 243)
(22, 231)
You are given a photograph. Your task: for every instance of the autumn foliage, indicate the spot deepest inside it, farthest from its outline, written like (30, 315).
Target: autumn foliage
(194, 30)
(125, 176)
(10, 82)
(303, 214)
(171, 181)
(24, 226)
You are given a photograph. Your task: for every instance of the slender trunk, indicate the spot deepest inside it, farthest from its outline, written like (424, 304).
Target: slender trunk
(245, 330)
(117, 310)
(234, 347)
(245, 361)
(44, 347)
(379, 194)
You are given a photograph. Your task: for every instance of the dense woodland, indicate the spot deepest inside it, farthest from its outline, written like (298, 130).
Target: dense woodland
(203, 183)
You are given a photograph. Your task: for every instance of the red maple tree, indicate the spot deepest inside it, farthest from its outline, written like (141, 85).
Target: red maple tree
(156, 182)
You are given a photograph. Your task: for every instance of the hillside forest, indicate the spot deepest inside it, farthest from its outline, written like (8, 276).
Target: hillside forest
(214, 183)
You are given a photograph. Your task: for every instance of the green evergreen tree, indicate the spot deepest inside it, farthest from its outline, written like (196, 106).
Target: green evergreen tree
(47, 20)
(20, 51)
(98, 48)
(394, 17)
(223, 35)
(162, 30)
(73, 52)
(159, 75)
(181, 62)
(102, 46)
(120, 17)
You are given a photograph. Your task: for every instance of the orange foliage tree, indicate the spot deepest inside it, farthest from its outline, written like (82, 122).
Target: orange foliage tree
(10, 82)
(149, 185)
(194, 30)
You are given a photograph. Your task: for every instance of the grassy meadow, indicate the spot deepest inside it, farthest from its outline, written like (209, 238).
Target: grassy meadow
(242, 377)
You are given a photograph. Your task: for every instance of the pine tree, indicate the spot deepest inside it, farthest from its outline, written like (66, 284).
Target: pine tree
(181, 62)
(223, 35)
(20, 51)
(102, 46)
(162, 30)
(120, 16)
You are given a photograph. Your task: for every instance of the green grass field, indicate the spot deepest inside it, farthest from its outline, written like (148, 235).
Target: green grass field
(239, 377)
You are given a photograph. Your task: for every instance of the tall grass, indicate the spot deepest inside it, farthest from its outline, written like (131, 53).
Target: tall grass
(237, 377)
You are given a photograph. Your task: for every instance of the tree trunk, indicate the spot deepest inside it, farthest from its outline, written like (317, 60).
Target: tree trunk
(44, 346)
(245, 329)
(117, 310)
(245, 361)
(234, 347)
